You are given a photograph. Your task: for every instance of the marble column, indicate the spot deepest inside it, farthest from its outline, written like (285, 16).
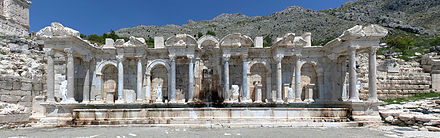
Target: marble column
(372, 88)
(245, 96)
(321, 88)
(148, 87)
(278, 58)
(191, 78)
(354, 94)
(139, 95)
(173, 79)
(99, 90)
(344, 80)
(86, 87)
(298, 78)
(50, 78)
(120, 59)
(226, 75)
(70, 76)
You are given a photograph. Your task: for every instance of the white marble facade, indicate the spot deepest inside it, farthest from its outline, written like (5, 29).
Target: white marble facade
(182, 69)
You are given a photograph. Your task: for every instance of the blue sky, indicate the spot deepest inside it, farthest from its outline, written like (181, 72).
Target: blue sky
(100, 16)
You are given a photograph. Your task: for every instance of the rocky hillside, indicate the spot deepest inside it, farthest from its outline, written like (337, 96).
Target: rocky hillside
(412, 16)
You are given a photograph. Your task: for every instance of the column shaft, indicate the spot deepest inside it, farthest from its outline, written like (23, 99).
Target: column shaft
(120, 79)
(86, 90)
(191, 79)
(354, 94)
(173, 81)
(70, 75)
(278, 59)
(139, 94)
(245, 95)
(372, 88)
(148, 88)
(50, 80)
(226, 79)
(298, 79)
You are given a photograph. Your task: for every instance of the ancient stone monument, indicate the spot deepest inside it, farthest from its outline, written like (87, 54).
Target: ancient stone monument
(234, 75)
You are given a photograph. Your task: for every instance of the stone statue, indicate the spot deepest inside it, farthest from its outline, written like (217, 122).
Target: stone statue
(159, 92)
(63, 89)
(235, 93)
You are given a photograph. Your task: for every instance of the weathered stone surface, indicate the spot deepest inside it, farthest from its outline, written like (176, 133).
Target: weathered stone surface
(26, 86)
(431, 128)
(9, 98)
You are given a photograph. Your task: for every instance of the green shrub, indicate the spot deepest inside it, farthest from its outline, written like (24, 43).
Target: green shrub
(210, 33)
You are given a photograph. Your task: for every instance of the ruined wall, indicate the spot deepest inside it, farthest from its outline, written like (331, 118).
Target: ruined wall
(14, 17)
(21, 78)
(395, 78)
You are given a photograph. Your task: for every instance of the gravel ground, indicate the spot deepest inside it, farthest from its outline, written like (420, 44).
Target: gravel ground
(191, 132)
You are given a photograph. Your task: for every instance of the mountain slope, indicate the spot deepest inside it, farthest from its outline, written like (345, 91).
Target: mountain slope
(412, 16)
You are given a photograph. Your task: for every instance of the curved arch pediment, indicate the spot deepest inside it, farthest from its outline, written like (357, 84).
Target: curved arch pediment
(208, 40)
(103, 64)
(236, 40)
(181, 40)
(290, 40)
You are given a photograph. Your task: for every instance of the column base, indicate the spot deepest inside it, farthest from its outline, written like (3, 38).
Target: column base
(354, 100)
(290, 100)
(119, 101)
(96, 102)
(279, 101)
(85, 102)
(70, 100)
(172, 101)
(309, 100)
(373, 100)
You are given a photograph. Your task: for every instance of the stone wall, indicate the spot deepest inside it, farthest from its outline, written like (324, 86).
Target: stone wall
(14, 17)
(396, 78)
(21, 78)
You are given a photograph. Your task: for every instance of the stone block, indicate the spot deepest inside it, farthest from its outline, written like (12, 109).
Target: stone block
(109, 43)
(20, 93)
(9, 98)
(26, 86)
(38, 86)
(258, 42)
(6, 85)
(25, 104)
(130, 96)
(159, 42)
(16, 85)
(26, 98)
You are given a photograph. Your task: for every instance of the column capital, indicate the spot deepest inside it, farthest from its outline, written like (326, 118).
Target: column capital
(172, 57)
(49, 51)
(226, 57)
(120, 58)
(353, 48)
(244, 57)
(190, 57)
(68, 51)
(278, 57)
(374, 49)
(298, 55)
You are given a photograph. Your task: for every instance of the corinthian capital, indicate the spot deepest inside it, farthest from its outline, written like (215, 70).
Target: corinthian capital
(68, 51)
(278, 57)
(226, 57)
(120, 58)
